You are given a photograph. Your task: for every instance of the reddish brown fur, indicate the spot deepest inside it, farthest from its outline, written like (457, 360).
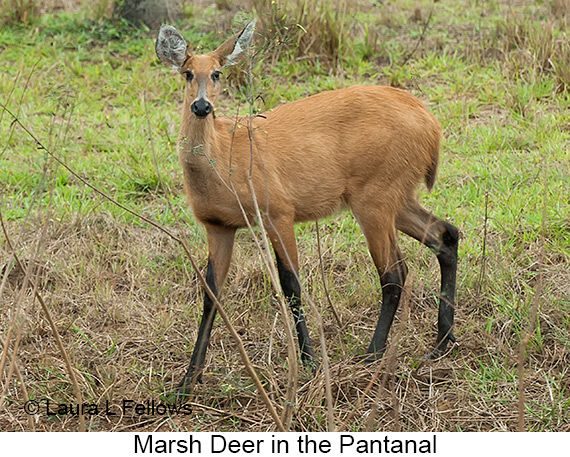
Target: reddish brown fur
(366, 148)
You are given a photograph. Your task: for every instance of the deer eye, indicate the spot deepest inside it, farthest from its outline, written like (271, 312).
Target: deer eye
(216, 75)
(189, 75)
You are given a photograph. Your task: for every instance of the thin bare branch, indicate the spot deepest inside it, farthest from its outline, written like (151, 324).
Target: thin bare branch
(331, 306)
(183, 244)
(527, 335)
(47, 313)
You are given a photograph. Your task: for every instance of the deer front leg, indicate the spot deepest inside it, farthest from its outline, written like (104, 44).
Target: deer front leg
(220, 245)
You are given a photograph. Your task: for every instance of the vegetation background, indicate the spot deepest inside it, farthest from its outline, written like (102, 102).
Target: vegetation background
(100, 304)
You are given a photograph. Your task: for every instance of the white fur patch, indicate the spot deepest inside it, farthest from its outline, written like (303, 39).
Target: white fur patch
(171, 47)
(242, 43)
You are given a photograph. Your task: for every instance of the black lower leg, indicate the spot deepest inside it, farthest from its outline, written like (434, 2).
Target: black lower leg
(292, 291)
(194, 372)
(447, 257)
(392, 283)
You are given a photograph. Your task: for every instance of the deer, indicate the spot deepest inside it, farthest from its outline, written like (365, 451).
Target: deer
(366, 148)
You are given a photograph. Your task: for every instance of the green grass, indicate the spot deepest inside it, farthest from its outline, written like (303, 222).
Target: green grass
(125, 297)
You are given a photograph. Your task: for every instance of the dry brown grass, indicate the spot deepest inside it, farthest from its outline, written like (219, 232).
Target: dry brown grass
(127, 326)
(532, 50)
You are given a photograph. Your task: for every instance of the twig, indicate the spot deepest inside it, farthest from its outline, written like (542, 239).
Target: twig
(332, 307)
(362, 397)
(28, 279)
(420, 39)
(5, 102)
(186, 249)
(24, 389)
(484, 249)
(29, 272)
(531, 323)
(45, 309)
(5, 345)
(226, 414)
(267, 262)
(292, 377)
(326, 367)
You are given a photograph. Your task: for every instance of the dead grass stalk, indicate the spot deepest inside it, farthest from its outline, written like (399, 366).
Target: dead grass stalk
(181, 241)
(57, 337)
(529, 331)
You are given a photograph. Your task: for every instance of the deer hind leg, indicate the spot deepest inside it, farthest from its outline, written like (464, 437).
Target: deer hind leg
(442, 238)
(378, 228)
(220, 245)
(281, 232)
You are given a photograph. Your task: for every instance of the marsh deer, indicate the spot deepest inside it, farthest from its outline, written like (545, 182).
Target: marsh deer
(366, 148)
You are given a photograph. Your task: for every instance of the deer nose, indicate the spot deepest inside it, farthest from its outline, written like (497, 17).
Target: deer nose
(201, 107)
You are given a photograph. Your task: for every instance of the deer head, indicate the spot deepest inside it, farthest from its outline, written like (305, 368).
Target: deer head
(202, 72)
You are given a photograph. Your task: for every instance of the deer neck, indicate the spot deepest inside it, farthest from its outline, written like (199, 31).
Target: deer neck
(198, 141)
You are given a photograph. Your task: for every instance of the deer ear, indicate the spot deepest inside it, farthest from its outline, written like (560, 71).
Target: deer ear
(232, 49)
(171, 47)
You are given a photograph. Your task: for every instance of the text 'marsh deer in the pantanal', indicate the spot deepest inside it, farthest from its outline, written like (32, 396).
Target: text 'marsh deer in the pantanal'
(366, 148)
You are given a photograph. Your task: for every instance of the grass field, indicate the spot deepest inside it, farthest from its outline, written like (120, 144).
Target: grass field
(122, 294)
